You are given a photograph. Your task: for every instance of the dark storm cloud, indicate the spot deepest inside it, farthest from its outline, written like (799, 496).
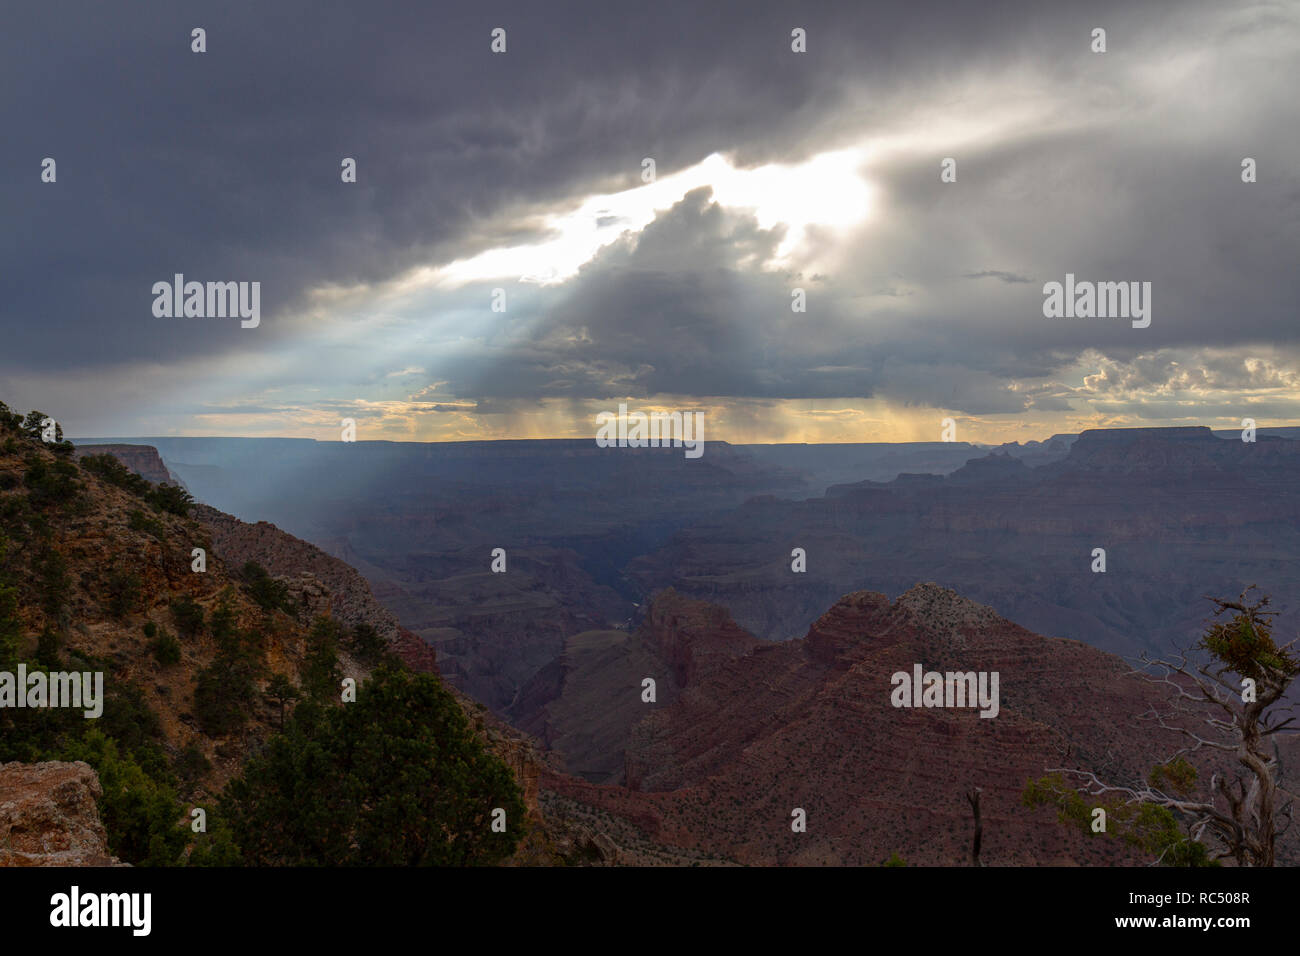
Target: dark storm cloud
(1138, 179)
(225, 166)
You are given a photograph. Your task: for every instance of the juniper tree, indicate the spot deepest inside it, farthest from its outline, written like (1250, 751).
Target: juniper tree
(1227, 697)
(396, 778)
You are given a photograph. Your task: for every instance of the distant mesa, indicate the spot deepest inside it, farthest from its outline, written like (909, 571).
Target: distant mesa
(144, 460)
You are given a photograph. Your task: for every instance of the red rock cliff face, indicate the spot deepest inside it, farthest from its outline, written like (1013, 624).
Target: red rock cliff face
(809, 724)
(48, 816)
(414, 652)
(693, 635)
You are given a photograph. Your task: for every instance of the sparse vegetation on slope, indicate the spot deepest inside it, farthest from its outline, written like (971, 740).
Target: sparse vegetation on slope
(201, 672)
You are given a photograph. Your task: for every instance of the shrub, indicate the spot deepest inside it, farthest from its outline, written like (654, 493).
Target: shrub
(123, 591)
(47, 648)
(137, 520)
(52, 574)
(367, 645)
(222, 626)
(191, 764)
(139, 812)
(11, 627)
(51, 484)
(270, 594)
(9, 421)
(115, 473)
(166, 650)
(222, 695)
(397, 778)
(171, 498)
(130, 721)
(216, 847)
(188, 616)
(34, 426)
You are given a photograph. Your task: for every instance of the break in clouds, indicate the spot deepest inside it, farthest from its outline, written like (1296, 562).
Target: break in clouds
(517, 179)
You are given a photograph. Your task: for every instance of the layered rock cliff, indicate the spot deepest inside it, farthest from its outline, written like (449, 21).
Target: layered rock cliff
(811, 725)
(1179, 514)
(144, 460)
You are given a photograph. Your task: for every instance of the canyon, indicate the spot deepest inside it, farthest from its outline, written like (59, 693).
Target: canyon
(773, 685)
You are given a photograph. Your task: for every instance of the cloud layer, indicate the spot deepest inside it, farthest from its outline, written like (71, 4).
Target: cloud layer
(1122, 166)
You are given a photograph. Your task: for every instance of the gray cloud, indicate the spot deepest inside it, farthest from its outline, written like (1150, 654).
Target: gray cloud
(1010, 277)
(226, 166)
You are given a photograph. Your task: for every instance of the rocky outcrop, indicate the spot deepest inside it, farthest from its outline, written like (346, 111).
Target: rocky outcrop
(414, 652)
(144, 460)
(346, 593)
(677, 626)
(49, 817)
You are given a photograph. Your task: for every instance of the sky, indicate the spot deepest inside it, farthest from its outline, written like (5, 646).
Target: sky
(505, 266)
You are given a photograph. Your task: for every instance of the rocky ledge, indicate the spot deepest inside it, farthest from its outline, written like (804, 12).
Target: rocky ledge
(49, 817)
